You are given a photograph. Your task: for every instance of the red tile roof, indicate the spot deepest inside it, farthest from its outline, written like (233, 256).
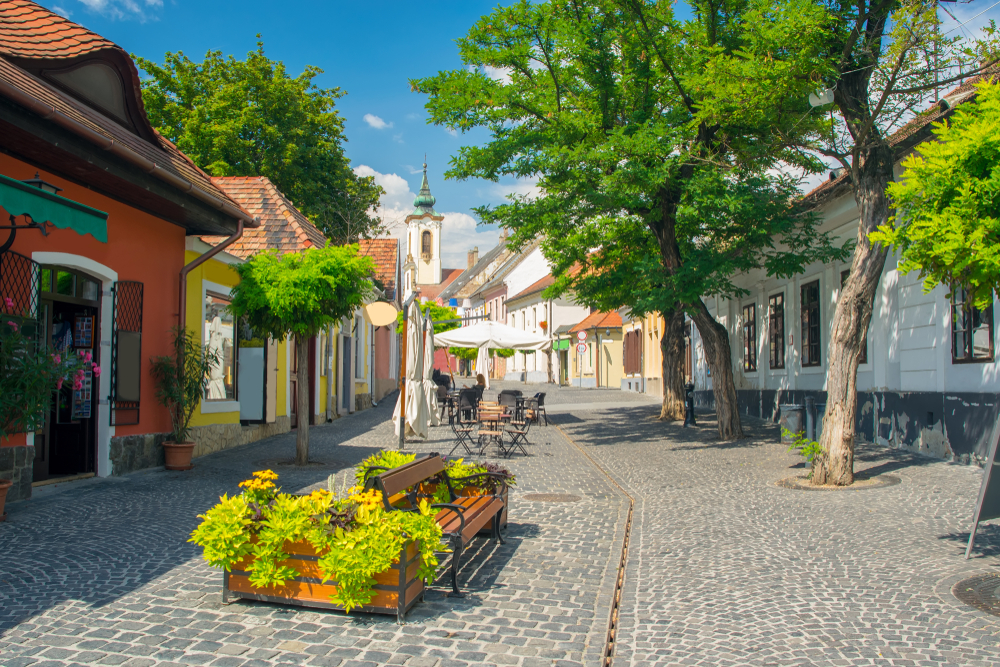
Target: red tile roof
(599, 320)
(28, 30)
(431, 291)
(282, 226)
(935, 113)
(534, 288)
(385, 252)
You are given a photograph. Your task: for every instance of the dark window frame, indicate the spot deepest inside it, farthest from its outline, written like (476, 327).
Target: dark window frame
(959, 305)
(812, 324)
(776, 330)
(750, 338)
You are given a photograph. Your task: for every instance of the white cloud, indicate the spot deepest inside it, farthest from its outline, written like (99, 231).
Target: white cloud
(121, 9)
(451, 131)
(61, 11)
(459, 233)
(376, 122)
(524, 186)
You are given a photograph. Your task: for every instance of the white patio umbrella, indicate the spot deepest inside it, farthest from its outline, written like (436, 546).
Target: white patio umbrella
(416, 404)
(495, 335)
(430, 386)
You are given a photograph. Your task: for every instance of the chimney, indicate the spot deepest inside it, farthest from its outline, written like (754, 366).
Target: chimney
(473, 256)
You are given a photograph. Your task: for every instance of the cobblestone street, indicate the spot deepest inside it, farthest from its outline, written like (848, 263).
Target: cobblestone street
(724, 568)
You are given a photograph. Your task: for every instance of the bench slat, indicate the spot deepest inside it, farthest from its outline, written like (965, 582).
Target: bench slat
(403, 477)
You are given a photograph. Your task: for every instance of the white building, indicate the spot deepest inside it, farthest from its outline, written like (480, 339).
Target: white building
(929, 378)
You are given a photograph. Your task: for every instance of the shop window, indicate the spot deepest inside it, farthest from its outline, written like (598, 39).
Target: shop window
(810, 324)
(220, 339)
(863, 359)
(750, 337)
(776, 330)
(971, 329)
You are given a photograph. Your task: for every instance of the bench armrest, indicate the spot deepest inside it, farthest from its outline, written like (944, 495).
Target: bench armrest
(458, 509)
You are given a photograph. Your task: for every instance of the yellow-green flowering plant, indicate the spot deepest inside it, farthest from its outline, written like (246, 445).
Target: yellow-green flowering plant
(466, 474)
(354, 536)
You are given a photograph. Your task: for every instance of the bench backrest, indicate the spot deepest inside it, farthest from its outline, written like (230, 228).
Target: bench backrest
(397, 480)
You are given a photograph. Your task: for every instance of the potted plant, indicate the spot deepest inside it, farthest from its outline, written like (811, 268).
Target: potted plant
(29, 374)
(181, 380)
(320, 550)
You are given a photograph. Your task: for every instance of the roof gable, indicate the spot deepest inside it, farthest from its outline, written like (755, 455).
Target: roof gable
(385, 253)
(282, 226)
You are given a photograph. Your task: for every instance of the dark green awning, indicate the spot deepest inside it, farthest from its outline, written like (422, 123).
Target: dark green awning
(18, 198)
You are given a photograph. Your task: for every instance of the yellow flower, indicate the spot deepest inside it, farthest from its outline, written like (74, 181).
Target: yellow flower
(265, 474)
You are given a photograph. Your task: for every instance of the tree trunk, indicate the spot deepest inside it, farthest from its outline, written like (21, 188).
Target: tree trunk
(302, 406)
(718, 353)
(850, 323)
(672, 349)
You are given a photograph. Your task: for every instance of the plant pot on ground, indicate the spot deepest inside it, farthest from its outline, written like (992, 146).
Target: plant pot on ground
(5, 485)
(181, 380)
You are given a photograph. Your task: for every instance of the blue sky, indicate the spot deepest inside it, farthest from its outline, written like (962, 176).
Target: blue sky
(370, 48)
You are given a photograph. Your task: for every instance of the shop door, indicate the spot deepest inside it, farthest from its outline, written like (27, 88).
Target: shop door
(293, 382)
(563, 367)
(69, 323)
(346, 376)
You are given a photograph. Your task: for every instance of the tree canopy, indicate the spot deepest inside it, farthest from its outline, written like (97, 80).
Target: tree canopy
(301, 293)
(250, 118)
(947, 220)
(653, 153)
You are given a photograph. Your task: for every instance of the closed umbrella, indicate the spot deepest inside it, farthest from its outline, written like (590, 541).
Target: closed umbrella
(430, 386)
(483, 364)
(416, 417)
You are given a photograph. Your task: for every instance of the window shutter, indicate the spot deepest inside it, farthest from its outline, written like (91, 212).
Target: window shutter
(126, 352)
(20, 281)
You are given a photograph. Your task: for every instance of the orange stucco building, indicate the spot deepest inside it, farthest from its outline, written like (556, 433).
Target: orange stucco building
(71, 115)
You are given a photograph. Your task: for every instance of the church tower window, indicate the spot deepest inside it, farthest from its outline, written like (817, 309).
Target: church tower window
(425, 245)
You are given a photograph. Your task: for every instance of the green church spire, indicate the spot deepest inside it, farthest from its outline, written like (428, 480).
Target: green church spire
(425, 201)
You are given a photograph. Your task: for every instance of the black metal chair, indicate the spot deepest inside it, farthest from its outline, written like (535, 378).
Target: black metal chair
(518, 432)
(463, 431)
(508, 398)
(537, 405)
(468, 402)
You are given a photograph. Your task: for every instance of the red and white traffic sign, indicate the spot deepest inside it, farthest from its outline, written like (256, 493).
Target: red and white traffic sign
(581, 335)
(581, 348)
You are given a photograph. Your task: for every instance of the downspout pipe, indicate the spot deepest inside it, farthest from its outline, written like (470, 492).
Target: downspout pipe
(188, 268)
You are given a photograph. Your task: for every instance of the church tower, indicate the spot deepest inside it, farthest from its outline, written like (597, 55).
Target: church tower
(423, 238)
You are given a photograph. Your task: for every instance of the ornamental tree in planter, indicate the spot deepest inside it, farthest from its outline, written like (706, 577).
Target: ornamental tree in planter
(302, 294)
(181, 380)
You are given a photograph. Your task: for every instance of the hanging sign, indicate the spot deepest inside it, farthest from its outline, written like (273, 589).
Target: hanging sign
(581, 348)
(380, 313)
(988, 505)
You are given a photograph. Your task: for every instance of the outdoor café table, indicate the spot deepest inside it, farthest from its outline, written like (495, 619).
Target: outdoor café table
(519, 408)
(490, 430)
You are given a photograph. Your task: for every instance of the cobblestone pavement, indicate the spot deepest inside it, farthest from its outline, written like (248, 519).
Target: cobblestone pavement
(725, 568)
(99, 572)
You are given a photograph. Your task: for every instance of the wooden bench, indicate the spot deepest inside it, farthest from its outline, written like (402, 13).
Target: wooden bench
(460, 519)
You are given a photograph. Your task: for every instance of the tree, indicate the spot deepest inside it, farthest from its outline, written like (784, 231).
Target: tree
(609, 105)
(301, 294)
(947, 220)
(884, 60)
(250, 118)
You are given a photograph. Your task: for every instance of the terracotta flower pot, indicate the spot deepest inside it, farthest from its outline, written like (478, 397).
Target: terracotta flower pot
(178, 455)
(5, 484)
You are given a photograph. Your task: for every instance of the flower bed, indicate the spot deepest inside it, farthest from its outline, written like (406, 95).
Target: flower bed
(320, 550)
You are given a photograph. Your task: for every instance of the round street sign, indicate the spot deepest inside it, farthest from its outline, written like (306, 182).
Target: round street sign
(581, 348)
(581, 335)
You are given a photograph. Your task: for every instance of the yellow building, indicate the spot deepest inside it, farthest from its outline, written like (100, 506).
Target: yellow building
(600, 362)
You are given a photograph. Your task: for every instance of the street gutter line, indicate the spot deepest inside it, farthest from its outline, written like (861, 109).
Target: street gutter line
(610, 642)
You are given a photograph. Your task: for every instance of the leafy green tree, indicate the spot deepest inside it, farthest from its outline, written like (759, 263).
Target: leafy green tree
(882, 61)
(947, 220)
(250, 118)
(300, 295)
(612, 105)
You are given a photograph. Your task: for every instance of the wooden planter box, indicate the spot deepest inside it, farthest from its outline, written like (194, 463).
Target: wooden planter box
(396, 590)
